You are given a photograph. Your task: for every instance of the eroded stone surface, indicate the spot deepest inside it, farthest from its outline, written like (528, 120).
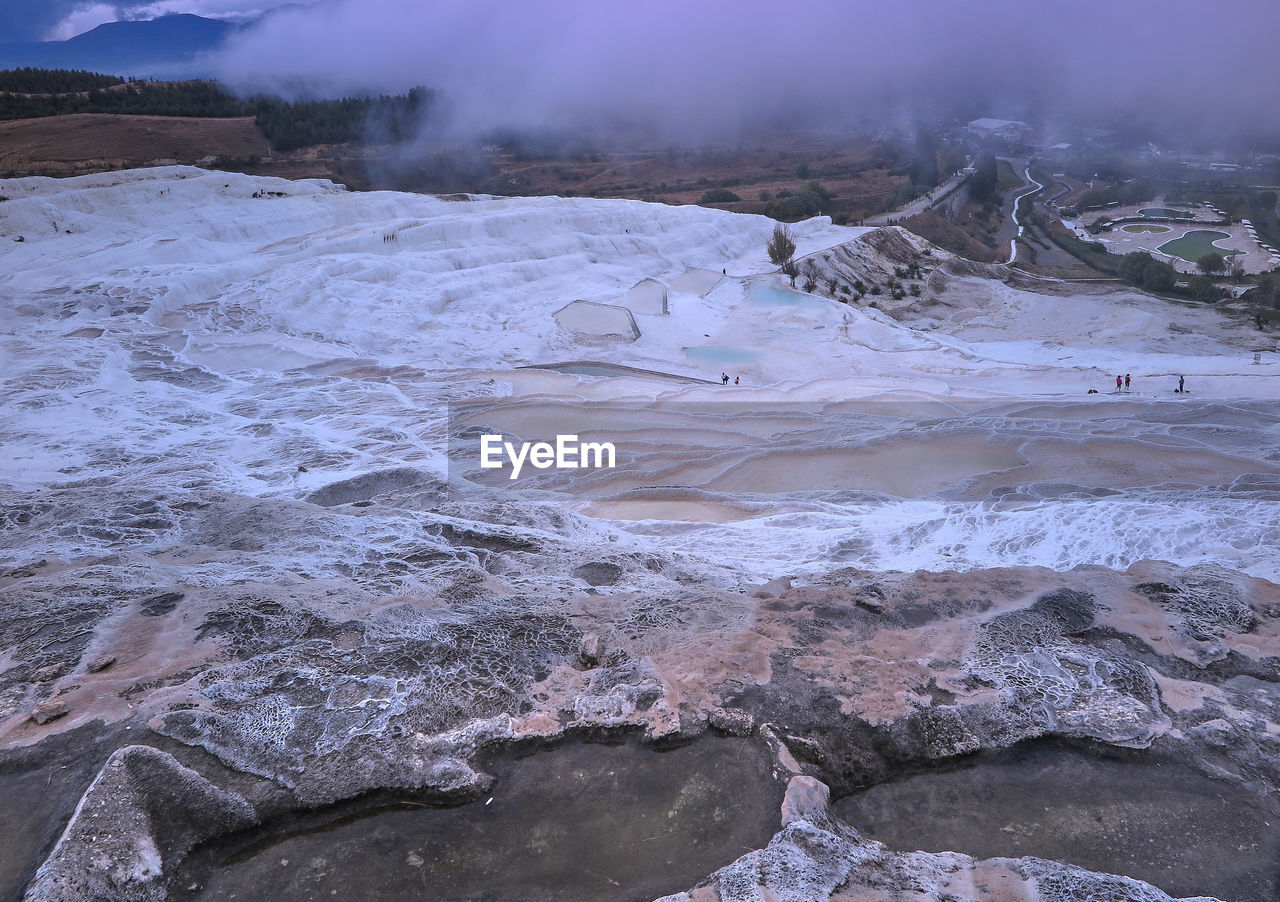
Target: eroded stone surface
(140, 817)
(323, 694)
(816, 857)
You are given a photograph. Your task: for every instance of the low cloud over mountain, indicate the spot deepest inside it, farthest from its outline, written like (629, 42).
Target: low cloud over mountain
(714, 67)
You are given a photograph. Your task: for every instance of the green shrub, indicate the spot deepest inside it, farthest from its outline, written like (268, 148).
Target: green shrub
(719, 196)
(1203, 289)
(1144, 271)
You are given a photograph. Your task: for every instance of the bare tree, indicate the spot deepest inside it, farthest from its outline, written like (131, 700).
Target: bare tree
(809, 270)
(782, 250)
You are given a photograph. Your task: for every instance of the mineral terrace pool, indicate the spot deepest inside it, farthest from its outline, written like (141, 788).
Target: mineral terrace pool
(761, 295)
(577, 821)
(1116, 812)
(721, 355)
(610, 370)
(1196, 243)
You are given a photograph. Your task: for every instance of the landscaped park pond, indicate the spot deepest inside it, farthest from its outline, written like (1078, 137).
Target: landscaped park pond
(1165, 213)
(1196, 243)
(619, 821)
(1118, 812)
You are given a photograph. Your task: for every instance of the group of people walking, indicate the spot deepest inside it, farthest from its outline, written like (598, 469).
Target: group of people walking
(1123, 382)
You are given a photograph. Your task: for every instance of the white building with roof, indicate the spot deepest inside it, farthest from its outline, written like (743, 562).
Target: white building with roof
(1009, 131)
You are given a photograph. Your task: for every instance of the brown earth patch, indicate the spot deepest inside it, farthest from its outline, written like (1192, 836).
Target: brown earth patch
(91, 142)
(949, 236)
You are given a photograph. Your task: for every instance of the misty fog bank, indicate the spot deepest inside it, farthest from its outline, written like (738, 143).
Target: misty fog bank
(717, 68)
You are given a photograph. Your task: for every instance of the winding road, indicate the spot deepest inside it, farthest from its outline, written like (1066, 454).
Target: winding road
(1013, 242)
(919, 205)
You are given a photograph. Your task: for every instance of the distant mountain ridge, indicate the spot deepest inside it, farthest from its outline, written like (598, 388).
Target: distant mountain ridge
(167, 47)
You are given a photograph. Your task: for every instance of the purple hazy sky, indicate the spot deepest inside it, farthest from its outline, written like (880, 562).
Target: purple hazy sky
(713, 64)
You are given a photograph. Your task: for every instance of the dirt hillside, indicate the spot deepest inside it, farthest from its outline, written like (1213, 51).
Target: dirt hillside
(58, 145)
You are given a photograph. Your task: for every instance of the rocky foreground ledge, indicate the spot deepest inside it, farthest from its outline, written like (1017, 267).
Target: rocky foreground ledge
(142, 719)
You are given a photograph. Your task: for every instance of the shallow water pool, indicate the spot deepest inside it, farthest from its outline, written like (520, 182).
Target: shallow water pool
(761, 295)
(1196, 243)
(722, 355)
(575, 822)
(1121, 813)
